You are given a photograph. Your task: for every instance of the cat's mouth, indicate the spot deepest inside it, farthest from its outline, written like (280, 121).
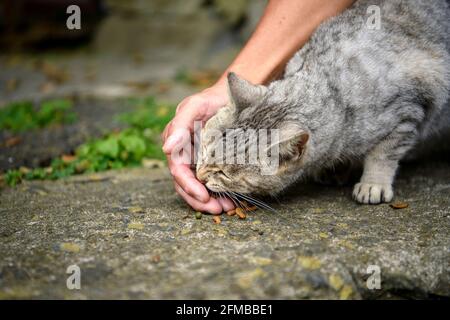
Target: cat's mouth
(213, 187)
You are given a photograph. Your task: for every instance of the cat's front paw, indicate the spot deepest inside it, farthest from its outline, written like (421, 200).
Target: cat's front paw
(372, 193)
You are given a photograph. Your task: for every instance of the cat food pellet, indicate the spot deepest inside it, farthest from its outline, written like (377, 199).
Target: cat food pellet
(198, 215)
(240, 213)
(252, 208)
(399, 205)
(231, 212)
(217, 220)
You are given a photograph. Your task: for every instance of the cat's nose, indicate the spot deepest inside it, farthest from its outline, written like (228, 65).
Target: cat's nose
(202, 175)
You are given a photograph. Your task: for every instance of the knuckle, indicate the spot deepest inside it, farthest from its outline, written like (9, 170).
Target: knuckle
(188, 189)
(173, 171)
(196, 101)
(180, 107)
(186, 102)
(166, 131)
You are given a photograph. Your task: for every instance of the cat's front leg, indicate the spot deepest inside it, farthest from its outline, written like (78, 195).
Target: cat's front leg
(376, 182)
(381, 164)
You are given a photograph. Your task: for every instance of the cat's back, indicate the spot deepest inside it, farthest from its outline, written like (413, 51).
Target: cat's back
(376, 30)
(368, 63)
(357, 64)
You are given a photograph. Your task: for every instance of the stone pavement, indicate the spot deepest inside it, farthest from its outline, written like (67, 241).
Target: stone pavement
(132, 237)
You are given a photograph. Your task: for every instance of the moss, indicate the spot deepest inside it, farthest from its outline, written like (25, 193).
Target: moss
(245, 280)
(335, 281)
(136, 225)
(310, 263)
(346, 292)
(69, 247)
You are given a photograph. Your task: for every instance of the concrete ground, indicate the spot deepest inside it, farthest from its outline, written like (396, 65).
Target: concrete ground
(132, 237)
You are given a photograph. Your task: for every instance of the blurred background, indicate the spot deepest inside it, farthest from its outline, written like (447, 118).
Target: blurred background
(121, 44)
(61, 88)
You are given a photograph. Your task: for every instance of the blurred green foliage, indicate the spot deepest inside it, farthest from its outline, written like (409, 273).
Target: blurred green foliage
(115, 150)
(23, 116)
(148, 114)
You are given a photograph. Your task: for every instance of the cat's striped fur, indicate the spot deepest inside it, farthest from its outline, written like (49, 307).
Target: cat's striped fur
(357, 94)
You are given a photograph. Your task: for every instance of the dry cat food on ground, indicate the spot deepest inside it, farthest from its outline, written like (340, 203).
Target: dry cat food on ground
(399, 205)
(240, 213)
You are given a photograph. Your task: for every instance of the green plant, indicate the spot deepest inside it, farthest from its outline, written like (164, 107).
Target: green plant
(13, 177)
(22, 116)
(148, 114)
(115, 150)
(55, 112)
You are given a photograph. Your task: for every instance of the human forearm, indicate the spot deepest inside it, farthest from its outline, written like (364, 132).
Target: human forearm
(284, 28)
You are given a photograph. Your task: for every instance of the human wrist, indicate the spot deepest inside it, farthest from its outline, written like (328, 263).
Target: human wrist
(220, 87)
(258, 73)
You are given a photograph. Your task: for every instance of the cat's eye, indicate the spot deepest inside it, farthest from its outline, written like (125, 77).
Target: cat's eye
(221, 172)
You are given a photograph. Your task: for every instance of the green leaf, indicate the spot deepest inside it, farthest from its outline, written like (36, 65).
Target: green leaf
(13, 177)
(134, 145)
(108, 147)
(83, 150)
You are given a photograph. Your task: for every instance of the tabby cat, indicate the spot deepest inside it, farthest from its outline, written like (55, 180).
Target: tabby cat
(352, 93)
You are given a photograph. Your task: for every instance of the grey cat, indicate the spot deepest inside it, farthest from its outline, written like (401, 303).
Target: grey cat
(352, 93)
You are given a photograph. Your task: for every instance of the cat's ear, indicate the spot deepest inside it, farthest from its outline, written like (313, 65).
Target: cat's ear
(224, 118)
(292, 142)
(243, 93)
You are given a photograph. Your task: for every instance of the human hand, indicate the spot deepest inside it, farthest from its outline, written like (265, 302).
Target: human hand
(198, 107)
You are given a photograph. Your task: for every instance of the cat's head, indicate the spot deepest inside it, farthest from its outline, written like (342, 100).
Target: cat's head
(255, 108)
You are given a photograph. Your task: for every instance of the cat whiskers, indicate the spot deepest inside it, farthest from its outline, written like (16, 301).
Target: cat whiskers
(244, 197)
(240, 199)
(238, 203)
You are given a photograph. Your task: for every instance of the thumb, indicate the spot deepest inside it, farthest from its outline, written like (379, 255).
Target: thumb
(183, 123)
(175, 138)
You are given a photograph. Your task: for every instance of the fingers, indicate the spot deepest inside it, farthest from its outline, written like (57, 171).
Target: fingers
(185, 178)
(212, 206)
(166, 131)
(194, 192)
(177, 136)
(174, 138)
(183, 121)
(226, 204)
(182, 104)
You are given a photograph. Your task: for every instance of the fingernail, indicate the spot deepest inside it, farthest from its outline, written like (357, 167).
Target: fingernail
(171, 142)
(202, 198)
(225, 205)
(215, 208)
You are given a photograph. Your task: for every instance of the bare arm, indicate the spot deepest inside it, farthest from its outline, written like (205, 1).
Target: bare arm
(283, 29)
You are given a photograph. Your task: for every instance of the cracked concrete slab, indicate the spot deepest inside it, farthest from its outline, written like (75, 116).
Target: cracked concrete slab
(132, 237)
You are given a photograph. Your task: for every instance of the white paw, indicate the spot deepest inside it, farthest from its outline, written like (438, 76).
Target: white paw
(372, 193)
